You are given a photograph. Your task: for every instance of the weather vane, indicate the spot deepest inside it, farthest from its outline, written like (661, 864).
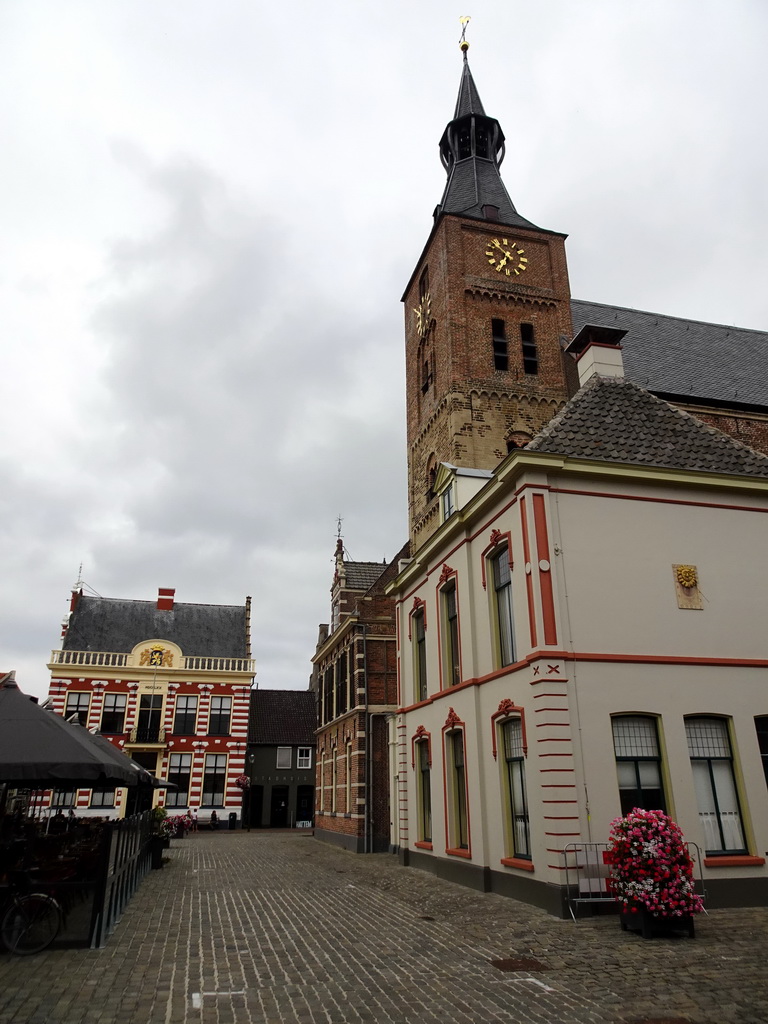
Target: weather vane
(463, 44)
(339, 521)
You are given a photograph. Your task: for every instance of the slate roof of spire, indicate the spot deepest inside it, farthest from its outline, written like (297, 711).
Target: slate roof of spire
(685, 359)
(614, 420)
(283, 717)
(113, 624)
(475, 182)
(468, 100)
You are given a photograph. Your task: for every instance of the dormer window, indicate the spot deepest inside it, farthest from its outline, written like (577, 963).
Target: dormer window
(448, 502)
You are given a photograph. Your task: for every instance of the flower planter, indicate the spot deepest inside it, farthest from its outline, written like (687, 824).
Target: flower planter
(648, 924)
(652, 874)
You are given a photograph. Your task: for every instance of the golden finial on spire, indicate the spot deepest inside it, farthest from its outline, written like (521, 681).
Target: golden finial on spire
(463, 44)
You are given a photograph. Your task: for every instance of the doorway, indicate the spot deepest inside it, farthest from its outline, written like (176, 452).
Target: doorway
(278, 817)
(305, 800)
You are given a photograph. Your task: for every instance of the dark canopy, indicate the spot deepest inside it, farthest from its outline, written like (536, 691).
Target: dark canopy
(39, 748)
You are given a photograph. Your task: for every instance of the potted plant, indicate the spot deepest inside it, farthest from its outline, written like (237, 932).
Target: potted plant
(652, 874)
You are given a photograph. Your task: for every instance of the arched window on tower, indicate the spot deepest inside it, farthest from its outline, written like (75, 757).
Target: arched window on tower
(431, 476)
(530, 354)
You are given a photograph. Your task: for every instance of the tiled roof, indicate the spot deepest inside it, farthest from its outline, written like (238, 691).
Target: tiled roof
(362, 575)
(287, 717)
(112, 624)
(614, 420)
(685, 358)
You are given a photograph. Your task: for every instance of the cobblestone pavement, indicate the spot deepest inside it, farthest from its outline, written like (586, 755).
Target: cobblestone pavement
(277, 928)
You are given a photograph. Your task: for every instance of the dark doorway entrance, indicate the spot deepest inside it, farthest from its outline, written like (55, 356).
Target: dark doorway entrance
(255, 806)
(278, 817)
(305, 799)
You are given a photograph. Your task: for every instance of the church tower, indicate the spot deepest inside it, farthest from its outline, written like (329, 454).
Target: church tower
(485, 311)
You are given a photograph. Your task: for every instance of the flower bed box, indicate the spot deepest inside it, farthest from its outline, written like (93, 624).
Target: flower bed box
(648, 924)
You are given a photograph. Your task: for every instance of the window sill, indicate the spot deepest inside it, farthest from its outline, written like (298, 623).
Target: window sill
(517, 862)
(459, 853)
(738, 861)
(422, 845)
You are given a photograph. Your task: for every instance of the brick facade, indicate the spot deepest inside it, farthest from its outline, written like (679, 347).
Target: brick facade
(467, 402)
(355, 680)
(156, 701)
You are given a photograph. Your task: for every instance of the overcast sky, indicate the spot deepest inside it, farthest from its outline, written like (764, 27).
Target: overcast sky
(209, 211)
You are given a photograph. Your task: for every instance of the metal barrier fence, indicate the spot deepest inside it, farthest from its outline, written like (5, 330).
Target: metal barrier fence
(126, 858)
(588, 871)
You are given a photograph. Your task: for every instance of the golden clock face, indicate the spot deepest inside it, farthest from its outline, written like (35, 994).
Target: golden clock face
(423, 315)
(506, 257)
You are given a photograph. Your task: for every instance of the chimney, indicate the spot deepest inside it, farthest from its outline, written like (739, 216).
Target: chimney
(597, 350)
(165, 599)
(603, 360)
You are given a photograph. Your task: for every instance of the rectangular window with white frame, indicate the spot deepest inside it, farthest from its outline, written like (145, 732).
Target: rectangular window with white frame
(179, 773)
(78, 705)
(218, 721)
(113, 713)
(709, 747)
(185, 719)
(103, 798)
(214, 780)
(304, 757)
(284, 757)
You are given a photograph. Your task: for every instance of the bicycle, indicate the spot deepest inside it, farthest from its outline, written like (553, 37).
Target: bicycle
(31, 920)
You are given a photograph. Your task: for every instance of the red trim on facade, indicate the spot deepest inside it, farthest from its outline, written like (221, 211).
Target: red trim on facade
(508, 709)
(454, 724)
(528, 572)
(497, 540)
(743, 861)
(423, 846)
(417, 604)
(545, 573)
(622, 496)
(516, 862)
(419, 736)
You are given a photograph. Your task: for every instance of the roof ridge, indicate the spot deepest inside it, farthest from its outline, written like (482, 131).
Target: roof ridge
(669, 316)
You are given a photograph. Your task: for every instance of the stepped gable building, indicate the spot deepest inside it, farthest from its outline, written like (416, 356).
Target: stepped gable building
(281, 766)
(354, 677)
(169, 684)
(489, 315)
(580, 622)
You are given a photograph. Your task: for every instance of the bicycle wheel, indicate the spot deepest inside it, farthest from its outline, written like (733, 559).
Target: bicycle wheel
(31, 923)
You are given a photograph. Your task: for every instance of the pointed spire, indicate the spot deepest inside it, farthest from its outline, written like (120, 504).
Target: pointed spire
(471, 150)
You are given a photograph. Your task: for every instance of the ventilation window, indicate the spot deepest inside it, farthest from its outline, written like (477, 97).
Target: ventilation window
(500, 353)
(491, 212)
(424, 283)
(530, 355)
(481, 141)
(426, 377)
(465, 143)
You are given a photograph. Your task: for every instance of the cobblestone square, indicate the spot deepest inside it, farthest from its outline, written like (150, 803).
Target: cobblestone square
(277, 928)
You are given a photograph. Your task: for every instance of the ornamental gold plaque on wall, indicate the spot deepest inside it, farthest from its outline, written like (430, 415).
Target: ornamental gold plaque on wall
(687, 587)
